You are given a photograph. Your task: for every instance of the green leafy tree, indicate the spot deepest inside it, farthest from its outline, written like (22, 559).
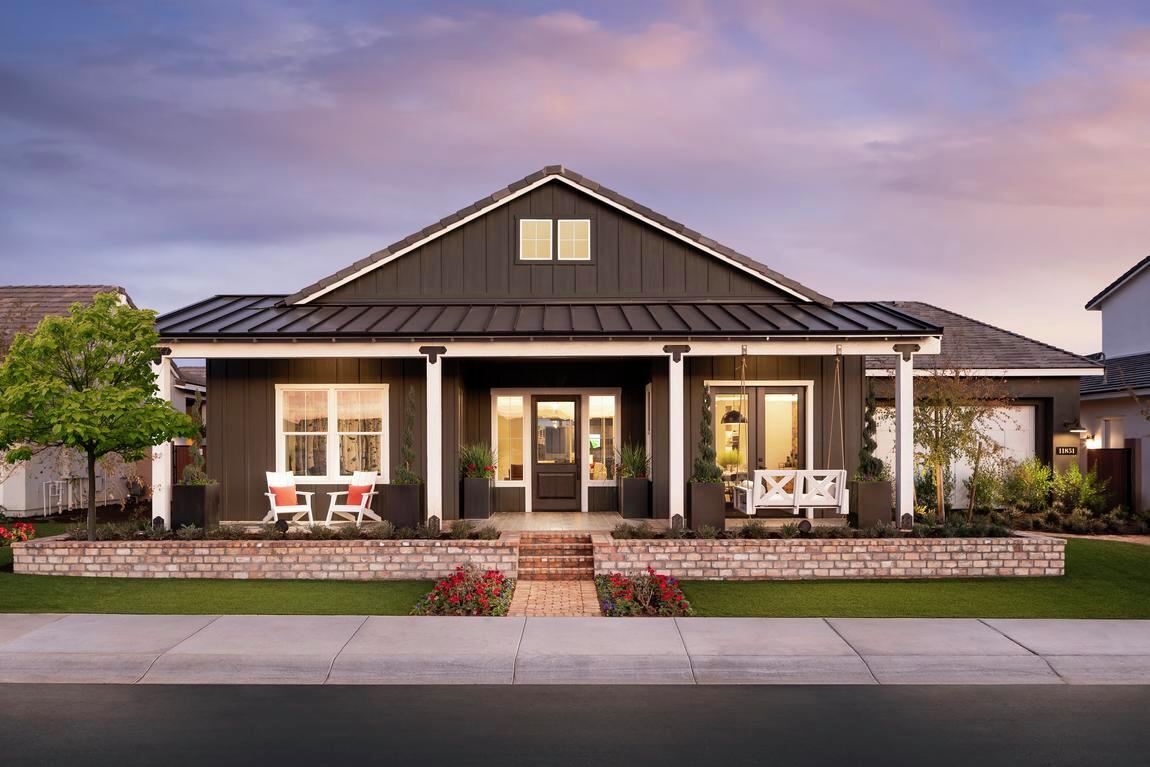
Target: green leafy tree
(871, 468)
(706, 468)
(953, 415)
(405, 473)
(84, 381)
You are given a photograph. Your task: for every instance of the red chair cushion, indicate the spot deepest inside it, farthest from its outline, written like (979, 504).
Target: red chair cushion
(285, 496)
(355, 494)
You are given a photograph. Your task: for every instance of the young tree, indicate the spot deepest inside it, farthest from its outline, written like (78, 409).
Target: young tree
(84, 381)
(953, 414)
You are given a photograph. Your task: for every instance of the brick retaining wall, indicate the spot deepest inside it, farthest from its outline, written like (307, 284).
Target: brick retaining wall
(814, 559)
(251, 560)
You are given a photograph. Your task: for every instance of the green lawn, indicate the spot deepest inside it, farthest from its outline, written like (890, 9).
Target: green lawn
(50, 594)
(1103, 580)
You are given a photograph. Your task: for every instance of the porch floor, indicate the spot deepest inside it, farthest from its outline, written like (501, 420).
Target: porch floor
(594, 521)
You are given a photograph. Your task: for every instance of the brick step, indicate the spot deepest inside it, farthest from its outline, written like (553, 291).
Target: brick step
(555, 549)
(558, 574)
(554, 538)
(531, 562)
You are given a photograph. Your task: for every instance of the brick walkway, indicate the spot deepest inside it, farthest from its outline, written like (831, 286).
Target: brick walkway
(544, 598)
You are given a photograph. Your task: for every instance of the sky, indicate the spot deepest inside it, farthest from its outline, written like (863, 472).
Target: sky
(989, 157)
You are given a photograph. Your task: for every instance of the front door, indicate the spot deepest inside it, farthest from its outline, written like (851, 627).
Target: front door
(555, 475)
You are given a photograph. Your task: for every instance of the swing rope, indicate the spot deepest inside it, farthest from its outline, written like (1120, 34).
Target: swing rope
(837, 406)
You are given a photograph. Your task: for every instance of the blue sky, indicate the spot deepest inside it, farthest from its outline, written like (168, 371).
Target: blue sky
(989, 157)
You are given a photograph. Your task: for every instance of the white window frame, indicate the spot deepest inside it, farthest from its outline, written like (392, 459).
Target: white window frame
(333, 431)
(550, 239)
(584, 396)
(559, 240)
(808, 387)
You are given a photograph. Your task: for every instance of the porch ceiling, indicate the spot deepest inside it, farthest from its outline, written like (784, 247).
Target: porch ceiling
(264, 317)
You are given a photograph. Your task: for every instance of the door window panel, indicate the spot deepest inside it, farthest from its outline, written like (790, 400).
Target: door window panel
(781, 431)
(509, 418)
(601, 436)
(731, 444)
(555, 432)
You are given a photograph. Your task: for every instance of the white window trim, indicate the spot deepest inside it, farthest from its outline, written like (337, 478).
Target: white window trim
(333, 431)
(558, 240)
(529, 444)
(809, 410)
(550, 240)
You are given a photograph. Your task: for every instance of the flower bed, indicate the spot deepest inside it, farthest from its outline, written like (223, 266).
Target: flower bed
(16, 531)
(645, 594)
(468, 591)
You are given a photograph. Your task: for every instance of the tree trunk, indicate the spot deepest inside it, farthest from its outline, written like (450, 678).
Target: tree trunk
(974, 482)
(940, 492)
(91, 496)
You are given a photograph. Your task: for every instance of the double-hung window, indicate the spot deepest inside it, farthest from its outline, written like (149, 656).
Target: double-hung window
(325, 433)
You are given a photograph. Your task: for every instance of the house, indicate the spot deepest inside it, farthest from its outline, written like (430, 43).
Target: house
(1039, 383)
(53, 480)
(1116, 408)
(557, 320)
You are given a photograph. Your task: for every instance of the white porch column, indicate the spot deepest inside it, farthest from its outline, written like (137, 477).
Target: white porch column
(162, 454)
(434, 441)
(676, 436)
(904, 431)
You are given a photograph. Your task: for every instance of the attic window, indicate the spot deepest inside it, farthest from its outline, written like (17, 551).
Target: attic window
(574, 239)
(534, 239)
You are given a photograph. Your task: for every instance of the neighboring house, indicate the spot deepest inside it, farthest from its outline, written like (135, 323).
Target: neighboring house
(1039, 380)
(557, 320)
(1116, 408)
(53, 479)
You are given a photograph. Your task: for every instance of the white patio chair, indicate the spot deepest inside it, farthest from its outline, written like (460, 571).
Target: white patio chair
(297, 511)
(363, 483)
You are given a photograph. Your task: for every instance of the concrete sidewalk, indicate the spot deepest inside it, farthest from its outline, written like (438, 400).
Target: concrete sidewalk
(252, 649)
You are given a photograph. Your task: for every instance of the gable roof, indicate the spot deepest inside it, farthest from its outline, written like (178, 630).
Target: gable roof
(968, 344)
(23, 306)
(584, 184)
(1123, 374)
(252, 318)
(1129, 274)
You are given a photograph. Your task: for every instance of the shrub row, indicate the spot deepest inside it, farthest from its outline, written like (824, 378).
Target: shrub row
(379, 531)
(956, 527)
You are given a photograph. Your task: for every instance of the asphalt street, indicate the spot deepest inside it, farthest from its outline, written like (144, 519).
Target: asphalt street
(572, 725)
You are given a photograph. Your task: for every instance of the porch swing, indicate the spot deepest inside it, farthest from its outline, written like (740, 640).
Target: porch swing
(799, 490)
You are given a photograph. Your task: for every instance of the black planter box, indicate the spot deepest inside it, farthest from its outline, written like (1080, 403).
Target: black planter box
(403, 505)
(197, 505)
(476, 493)
(634, 497)
(871, 503)
(706, 506)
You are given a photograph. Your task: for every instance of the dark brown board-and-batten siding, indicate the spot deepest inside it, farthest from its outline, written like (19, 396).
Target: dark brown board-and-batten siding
(241, 420)
(629, 259)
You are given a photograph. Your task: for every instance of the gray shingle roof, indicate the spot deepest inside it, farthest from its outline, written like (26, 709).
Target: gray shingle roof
(1122, 374)
(586, 183)
(266, 317)
(23, 306)
(968, 344)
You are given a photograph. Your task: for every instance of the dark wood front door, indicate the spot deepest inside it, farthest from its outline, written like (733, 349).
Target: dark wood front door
(555, 453)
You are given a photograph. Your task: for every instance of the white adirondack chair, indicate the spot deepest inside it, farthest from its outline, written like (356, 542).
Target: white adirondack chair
(297, 511)
(355, 512)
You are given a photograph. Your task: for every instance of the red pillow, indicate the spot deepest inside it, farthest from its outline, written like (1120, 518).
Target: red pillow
(355, 494)
(285, 496)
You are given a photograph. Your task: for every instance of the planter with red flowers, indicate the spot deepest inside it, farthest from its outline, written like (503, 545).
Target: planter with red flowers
(646, 594)
(468, 591)
(477, 469)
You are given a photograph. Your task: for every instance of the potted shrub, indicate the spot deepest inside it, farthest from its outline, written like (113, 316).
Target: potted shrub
(196, 497)
(872, 498)
(403, 496)
(632, 483)
(706, 506)
(477, 469)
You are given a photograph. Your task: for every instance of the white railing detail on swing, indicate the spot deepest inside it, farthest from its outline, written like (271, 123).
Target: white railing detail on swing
(794, 489)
